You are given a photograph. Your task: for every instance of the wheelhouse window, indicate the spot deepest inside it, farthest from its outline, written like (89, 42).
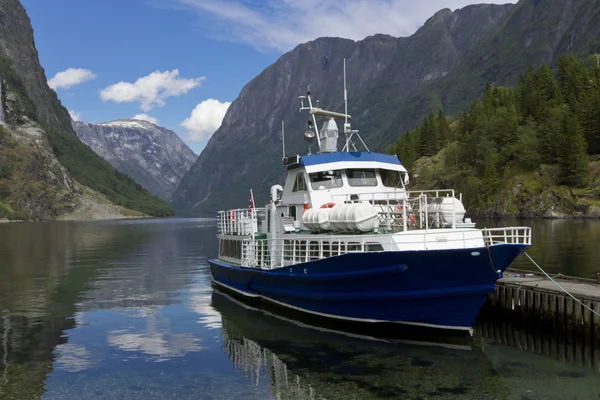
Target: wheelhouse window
(391, 178)
(300, 184)
(326, 180)
(361, 177)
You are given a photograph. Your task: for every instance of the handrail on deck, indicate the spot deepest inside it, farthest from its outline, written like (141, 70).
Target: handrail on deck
(241, 221)
(509, 235)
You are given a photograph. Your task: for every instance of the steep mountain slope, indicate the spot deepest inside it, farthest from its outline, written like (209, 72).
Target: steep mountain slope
(154, 156)
(532, 32)
(40, 135)
(246, 150)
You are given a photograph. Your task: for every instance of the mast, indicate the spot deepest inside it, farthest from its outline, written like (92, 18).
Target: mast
(345, 101)
(283, 137)
(310, 107)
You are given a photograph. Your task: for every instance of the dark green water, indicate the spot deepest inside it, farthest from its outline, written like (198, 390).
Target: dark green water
(124, 310)
(570, 247)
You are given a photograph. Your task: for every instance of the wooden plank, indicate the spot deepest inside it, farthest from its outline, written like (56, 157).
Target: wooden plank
(579, 339)
(507, 300)
(545, 319)
(523, 301)
(596, 325)
(561, 327)
(496, 297)
(587, 344)
(537, 311)
(528, 301)
(532, 318)
(554, 322)
(569, 331)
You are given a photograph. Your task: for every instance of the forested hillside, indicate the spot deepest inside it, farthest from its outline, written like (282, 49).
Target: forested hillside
(45, 170)
(532, 150)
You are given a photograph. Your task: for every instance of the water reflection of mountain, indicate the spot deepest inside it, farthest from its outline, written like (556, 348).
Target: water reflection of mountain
(160, 265)
(305, 363)
(49, 272)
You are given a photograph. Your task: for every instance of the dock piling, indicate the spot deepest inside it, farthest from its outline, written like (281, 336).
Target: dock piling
(535, 300)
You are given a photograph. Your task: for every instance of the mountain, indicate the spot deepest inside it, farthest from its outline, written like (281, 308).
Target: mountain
(392, 83)
(45, 170)
(154, 156)
(246, 150)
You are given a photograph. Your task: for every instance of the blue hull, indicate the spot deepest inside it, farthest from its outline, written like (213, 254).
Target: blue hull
(436, 288)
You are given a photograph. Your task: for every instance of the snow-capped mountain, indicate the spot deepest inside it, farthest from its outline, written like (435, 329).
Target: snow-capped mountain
(154, 156)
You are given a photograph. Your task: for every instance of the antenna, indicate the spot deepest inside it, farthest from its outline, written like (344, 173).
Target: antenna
(314, 118)
(345, 100)
(283, 136)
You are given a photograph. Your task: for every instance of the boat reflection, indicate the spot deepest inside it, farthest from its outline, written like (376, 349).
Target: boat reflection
(299, 361)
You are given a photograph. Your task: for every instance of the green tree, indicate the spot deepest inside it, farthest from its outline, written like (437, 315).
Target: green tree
(527, 148)
(443, 130)
(573, 160)
(427, 137)
(573, 81)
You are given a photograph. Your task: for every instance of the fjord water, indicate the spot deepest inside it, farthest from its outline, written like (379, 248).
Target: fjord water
(125, 310)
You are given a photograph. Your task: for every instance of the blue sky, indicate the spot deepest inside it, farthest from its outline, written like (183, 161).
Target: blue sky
(181, 62)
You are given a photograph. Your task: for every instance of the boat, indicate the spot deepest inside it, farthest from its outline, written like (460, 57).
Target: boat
(345, 239)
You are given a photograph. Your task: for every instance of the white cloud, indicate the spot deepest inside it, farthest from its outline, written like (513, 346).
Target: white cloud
(75, 116)
(281, 25)
(205, 119)
(151, 90)
(156, 341)
(145, 117)
(73, 357)
(71, 77)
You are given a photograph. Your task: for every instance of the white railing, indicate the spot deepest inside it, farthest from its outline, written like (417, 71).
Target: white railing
(512, 235)
(241, 221)
(433, 193)
(275, 253)
(392, 197)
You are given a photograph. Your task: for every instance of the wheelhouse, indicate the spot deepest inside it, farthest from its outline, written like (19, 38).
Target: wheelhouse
(325, 179)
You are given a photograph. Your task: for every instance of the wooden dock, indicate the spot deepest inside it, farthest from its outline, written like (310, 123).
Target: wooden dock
(532, 300)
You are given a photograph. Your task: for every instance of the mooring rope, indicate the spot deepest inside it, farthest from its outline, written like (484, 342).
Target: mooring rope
(561, 288)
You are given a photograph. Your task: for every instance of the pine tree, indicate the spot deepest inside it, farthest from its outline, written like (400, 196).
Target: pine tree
(550, 134)
(545, 83)
(590, 121)
(573, 81)
(443, 130)
(427, 140)
(406, 149)
(573, 160)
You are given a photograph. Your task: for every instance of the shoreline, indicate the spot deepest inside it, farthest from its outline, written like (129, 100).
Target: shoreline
(535, 218)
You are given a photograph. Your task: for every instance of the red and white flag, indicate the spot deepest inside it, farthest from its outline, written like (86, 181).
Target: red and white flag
(251, 201)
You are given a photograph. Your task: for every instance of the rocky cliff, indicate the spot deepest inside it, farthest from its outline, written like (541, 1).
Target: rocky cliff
(45, 170)
(154, 156)
(246, 150)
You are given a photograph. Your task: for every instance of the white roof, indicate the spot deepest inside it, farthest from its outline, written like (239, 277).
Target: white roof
(354, 165)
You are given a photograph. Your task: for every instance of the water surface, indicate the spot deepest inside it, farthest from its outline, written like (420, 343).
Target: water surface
(125, 310)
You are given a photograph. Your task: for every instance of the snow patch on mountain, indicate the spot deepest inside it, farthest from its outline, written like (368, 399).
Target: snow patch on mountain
(154, 156)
